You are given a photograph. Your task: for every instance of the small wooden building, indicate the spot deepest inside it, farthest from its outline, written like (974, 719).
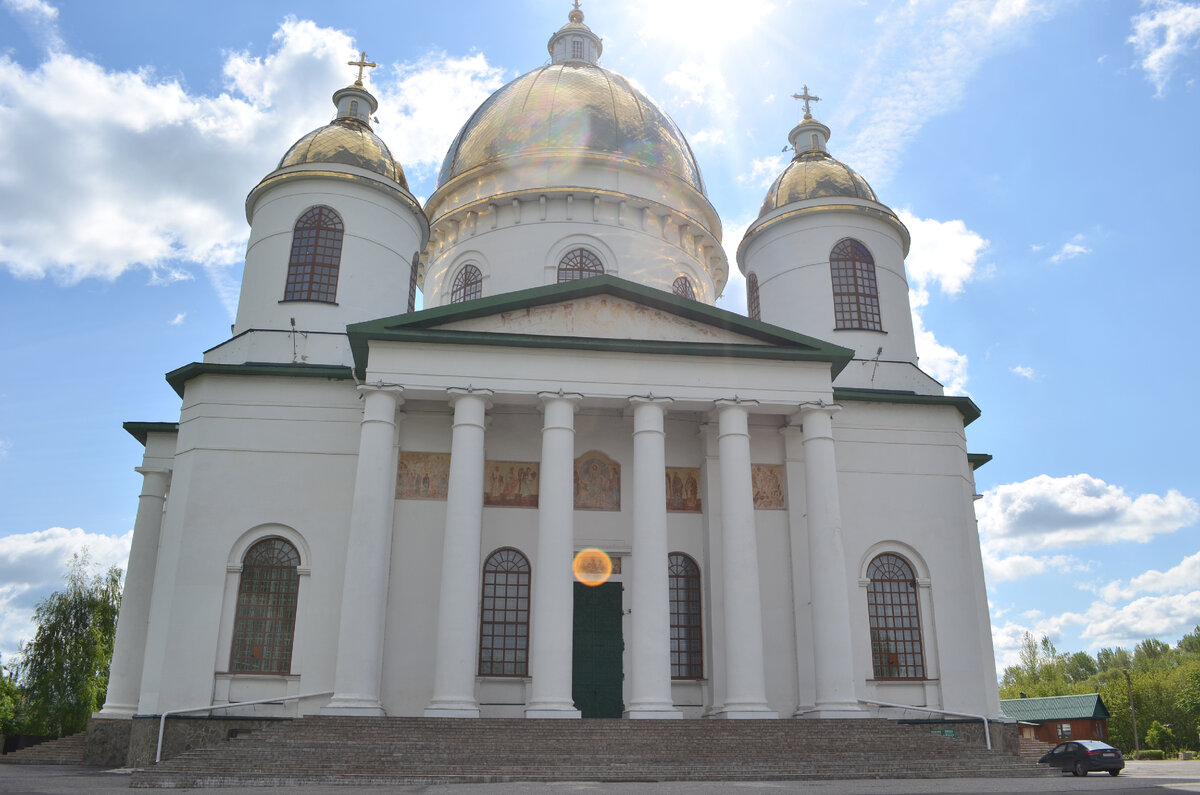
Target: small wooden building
(1057, 718)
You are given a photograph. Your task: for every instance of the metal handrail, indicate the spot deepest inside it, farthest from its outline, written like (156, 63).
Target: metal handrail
(987, 734)
(162, 720)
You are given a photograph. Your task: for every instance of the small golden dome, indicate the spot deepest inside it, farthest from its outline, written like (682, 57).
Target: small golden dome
(571, 108)
(349, 142)
(813, 174)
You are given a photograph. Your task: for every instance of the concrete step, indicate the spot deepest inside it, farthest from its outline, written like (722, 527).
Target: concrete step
(67, 750)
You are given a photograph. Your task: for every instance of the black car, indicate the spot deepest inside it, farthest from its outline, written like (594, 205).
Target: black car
(1083, 756)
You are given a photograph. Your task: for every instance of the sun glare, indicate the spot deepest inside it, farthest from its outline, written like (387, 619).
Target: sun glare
(703, 25)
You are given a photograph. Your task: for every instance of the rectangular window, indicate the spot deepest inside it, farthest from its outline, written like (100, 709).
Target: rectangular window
(1064, 731)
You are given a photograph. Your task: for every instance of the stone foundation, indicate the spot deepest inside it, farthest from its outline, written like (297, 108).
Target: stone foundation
(107, 742)
(185, 733)
(1006, 738)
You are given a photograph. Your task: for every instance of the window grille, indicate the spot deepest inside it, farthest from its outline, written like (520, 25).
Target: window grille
(412, 282)
(577, 49)
(896, 651)
(468, 285)
(504, 615)
(855, 292)
(687, 648)
(683, 287)
(316, 257)
(752, 306)
(579, 264)
(265, 621)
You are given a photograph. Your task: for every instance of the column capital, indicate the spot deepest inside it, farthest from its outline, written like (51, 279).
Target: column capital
(545, 397)
(735, 401)
(457, 392)
(808, 409)
(637, 400)
(380, 386)
(815, 420)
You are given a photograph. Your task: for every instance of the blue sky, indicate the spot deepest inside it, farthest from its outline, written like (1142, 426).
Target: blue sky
(1042, 152)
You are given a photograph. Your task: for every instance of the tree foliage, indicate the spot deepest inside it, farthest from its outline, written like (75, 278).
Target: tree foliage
(1165, 681)
(63, 671)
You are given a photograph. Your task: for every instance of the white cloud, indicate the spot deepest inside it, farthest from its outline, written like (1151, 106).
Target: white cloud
(708, 26)
(1071, 249)
(710, 137)
(945, 254)
(35, 8)
(918, 69)
(764, 170)
(1178, 579)
(1023, 371)
(178, 319)
(1162, 36)
(1167, 616)
(32, 566)
(1047, 513)
(701, 83)
(734, 296)
(1016, 567)
(153, 177)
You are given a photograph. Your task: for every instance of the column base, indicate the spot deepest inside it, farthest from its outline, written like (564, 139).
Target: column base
(553, 713)
(746, 714)
(653, 714)
(820, 712)
(451, 712)
(116, 711)
(354, 707)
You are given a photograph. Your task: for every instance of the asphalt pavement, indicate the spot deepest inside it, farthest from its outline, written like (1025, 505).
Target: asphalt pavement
(1138, 777)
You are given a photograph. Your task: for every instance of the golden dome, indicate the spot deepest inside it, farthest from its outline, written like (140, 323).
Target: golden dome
(813, 174)
(347, 141)
(571, 108)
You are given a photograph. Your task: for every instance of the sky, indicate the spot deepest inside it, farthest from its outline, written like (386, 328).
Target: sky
(1042, 153)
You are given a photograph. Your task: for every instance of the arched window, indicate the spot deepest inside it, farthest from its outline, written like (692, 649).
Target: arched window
(579, 264)
(266, 609)
(316, 257)
(855, 293)
(468, 284)
(896, 651)
(687, 650)
(504, 618)
(752, 307)
(683, 287)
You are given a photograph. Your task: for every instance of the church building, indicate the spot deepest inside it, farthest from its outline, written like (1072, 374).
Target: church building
(568, 486)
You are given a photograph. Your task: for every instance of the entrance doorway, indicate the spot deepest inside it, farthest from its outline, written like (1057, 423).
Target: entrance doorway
(596, 673)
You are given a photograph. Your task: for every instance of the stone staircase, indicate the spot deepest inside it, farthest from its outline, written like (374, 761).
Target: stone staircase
(67, 750)
(362, 751)
(1034, 749)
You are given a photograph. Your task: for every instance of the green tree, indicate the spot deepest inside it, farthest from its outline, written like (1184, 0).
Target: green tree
(1160, 737)
(1041, 671)
(64, 669)
(10, 704)
(1080, 666)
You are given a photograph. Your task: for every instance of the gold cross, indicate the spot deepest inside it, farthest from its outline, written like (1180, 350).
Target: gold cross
(363, 63)
(807, 99)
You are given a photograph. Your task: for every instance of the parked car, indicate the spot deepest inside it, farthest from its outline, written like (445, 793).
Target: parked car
(1083, 756)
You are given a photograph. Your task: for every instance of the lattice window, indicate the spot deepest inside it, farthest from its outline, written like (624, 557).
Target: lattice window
(577, 49)
(468, 284)
(579, 264)
(504, 617)
(752, 305)
(687, 648)
(683, 287)
(412, 282)
(855, 292)
(316, 257)
(896, 651)
(266, 608)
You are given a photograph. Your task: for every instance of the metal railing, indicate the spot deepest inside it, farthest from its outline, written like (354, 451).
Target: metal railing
(987, 734)
(162, 720)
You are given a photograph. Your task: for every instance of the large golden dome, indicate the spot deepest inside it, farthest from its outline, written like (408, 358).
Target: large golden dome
(349, 142)
(572, 108)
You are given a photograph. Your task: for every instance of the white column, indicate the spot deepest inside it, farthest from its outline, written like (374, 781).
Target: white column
(745, 690)
(650, 656)
(833, 655)
(458, 605)
(356, 678)
(125, 673)
(553, 595)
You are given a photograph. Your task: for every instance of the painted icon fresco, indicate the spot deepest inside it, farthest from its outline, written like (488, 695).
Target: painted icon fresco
(768, 486)
(597, 483)
(683, 490)
(422, 476)
(511, 484)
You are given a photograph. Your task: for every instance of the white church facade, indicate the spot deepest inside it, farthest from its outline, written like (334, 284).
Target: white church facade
(378, 509)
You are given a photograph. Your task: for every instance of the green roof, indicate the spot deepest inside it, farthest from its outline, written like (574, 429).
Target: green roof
(423, 326)
(180, 376)
(139, 430)
(1040, 710)
(966, 407)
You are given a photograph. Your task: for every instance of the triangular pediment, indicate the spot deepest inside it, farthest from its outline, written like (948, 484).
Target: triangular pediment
(599, 313)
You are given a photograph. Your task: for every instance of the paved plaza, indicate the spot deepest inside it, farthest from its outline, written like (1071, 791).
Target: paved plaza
(1139, 777)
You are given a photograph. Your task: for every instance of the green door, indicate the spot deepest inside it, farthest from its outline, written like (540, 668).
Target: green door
(596, 674)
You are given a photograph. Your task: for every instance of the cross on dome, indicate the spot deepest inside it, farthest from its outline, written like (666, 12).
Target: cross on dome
(576, 14)
(807, 98)
(363, 63)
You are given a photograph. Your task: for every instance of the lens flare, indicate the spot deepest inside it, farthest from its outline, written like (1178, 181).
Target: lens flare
(592, 567)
